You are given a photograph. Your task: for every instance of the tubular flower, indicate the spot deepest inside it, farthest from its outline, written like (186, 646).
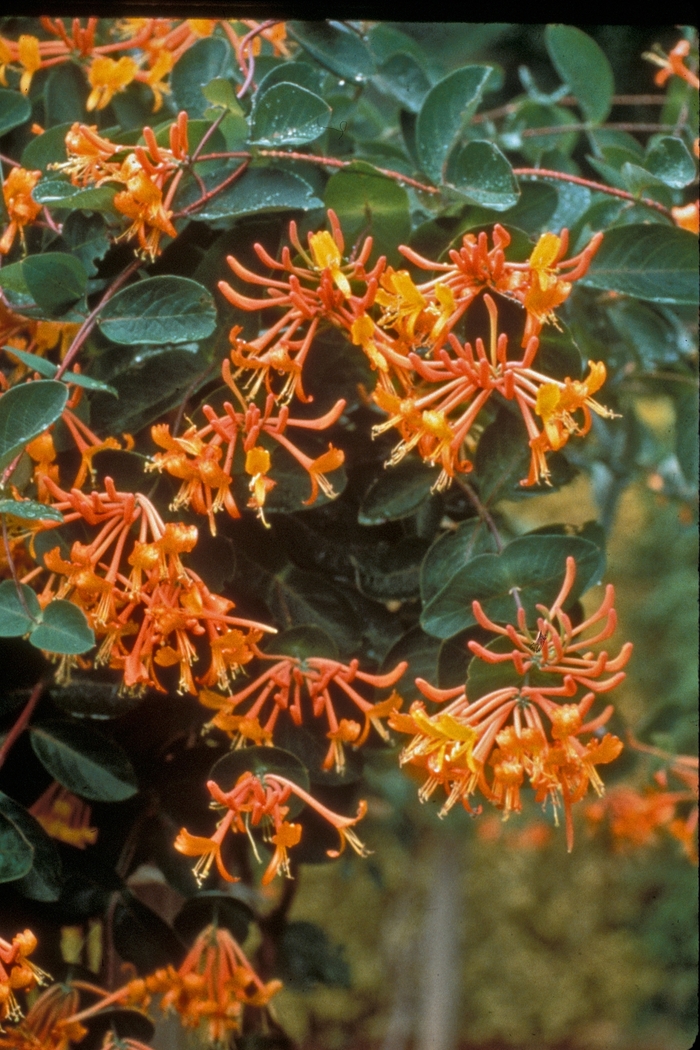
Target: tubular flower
(146, 618)
(261, 801)
(492, 743)
(203, 458)
(21, 208)
(211, 987)
(28, 53)
(688, 217)
(673, 64)
(16, 971)
(48, 1024)
(282, 687)
(107, 77)
(65, 817)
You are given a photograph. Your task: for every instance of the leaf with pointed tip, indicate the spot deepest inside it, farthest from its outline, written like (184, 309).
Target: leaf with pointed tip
(43, 881)
(445, 113)
(649, 261)
(16, 854)
(83, 760)
(25, 411)
(582, 65)
(15, 616)
(29, 510)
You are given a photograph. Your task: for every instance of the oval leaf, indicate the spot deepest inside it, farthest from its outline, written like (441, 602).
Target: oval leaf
(27, 410)
(583, 66)
(535, 565)
(159, 310)
(43, 882)
(289, 115)
(397, 493)
(16, 855)
(447, 109)
(653, 262)
(15, 109)
(29, 510)
(48, 369)
(335, 47)
(15, 616)
(205, 61)
(63, 629)
(259, 190)
(83, 760)
(670, 161)
(483, 175)
(55, 279)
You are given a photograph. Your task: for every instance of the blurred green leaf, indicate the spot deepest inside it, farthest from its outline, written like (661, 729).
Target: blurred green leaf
(48, 369)
(308, 958)
(446, 111)
(83, 760)
(209, 59)
(302, 642)
(669, 160)
(43, 882)
(16, 854)
(404, 78)
(47, 148)
(25, 411)
(368, 204)
(397, 493)
(301, 73)
(65, 94)
(142, 938)
(654, 262)
(29, 510)
(164, 309)
(335, 47)
(211, 907)
(582, 65)
(15, 109)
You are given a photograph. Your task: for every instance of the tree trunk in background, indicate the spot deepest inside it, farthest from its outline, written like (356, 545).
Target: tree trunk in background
(439, 958)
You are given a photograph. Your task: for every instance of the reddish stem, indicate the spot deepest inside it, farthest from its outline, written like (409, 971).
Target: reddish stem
(21, 723)
(599, 187)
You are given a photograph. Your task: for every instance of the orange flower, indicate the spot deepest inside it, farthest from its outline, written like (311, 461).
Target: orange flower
(673, 65)
(29, 56)
(688, 217)
(21, 974)
(21, 208)
(108, 77)
(65, 817)
(142, 202)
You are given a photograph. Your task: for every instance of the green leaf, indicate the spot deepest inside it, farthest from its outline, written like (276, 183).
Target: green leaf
(16, 855)
(63, 629)
(301, 73)
(88, 698)
(15, 109)
(85, 236)
(65, 94)
(288, 115)
(535, 565)
(25, 411)
(386, 571)
(15, 620)
(368, 203)
(56, 193)
(297, 597)
(29, 510)
(143, 938)
(83, 760)
(211, 906)
(669, 160)
(403, 77)
(421, 652)
(48, 369)
(582, 65)
(43, 882)
(303, 642)
(209, 59)
(538, 203)
(55, 280)
(446, 111)
(452, 552)
(221, 92)
(159, 310)
(261, 190)
(652, 262)
(397, 493)
(483, 175)
(48, 148)
(335, 47)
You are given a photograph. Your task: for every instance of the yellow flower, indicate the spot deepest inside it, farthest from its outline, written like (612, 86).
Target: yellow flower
(257, 465)
(362, 334)
(107, 77)
(142, 202)
(20, 206)
(29, 56)
(201, 26)
(5, 59)
(326, 255)
(160, 68)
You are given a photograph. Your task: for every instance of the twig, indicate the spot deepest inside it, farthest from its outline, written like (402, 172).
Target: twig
(563, 129)
(569, 101)
(21, 723)
(251, 59)
(206, 136)
(212, 193)
(481, 511)
(599, 187)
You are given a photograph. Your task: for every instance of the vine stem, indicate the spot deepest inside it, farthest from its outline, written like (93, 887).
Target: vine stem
(217, 189)
(481, 511)
(21, 723)
(599, 187)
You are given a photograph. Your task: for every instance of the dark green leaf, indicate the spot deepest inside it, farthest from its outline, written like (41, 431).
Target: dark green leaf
(653, 262)
(446, 111)
(303, 642)
(29, 510)
(261, 190)
(310, 746)
(83, 760)
(93, 699)
(211, 907)
(15, 109)
(421, 652)
(288, 115)
(558, 354)
(535, 565)
(452, 552)
(389, 571)
(205, 61)
(15, 620)
(582, 65)
(63, 629)
(537, 204)
(86, 238)
(65, 94)
(159, 310)
(59, 194)
(25, 411)
(502, 458)
(687, 435)
(296, 597)
(308, 958)
(141, 937)
(484, 677)
(48, 369)
(55, 280)
(669, 160)
(43, 882)
(483, 175)
(368, 203)
(16, 855)
(397, 493)
(301, 73)
(403, 77)
(120, 1022)
(45, 149)
(335, 47)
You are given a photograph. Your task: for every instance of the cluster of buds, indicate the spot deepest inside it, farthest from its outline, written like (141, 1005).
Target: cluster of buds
(491, 743)
(211, 987)
(433, 397)
(281, 688)
(150, 48)
(634, 818)
(16, 971)
(148, 618)
(261, 801)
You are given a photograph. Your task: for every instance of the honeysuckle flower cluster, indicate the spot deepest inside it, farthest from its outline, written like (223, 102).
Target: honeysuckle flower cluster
(17, 972)
(150, 615)
(261, 801)
(49, 1023)
(431, 386)
(282, 686)
(149, 48)
(531, 729)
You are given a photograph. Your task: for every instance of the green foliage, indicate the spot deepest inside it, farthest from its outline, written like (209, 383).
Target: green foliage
(159, 310)
(26, 411)
(583, 67)
(83, 760)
